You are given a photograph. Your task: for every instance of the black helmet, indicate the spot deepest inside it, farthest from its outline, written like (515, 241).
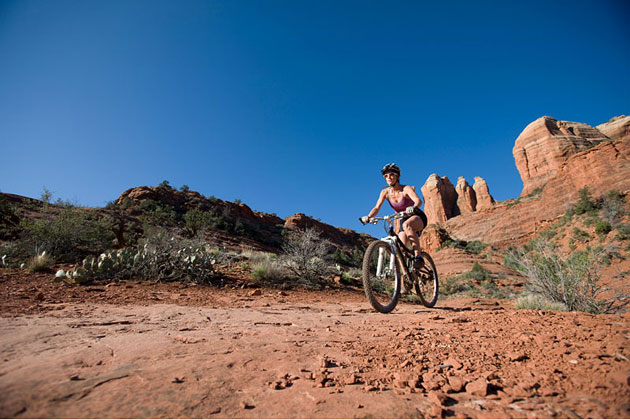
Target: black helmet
(391, 167)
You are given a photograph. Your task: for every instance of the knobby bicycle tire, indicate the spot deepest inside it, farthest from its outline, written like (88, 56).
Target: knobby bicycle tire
(426, 278)
(370, 279)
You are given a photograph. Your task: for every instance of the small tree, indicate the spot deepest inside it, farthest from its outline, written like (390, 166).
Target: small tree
(46, 195)
(306, 254)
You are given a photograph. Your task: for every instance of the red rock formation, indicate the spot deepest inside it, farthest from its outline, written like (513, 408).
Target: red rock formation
(466, 196)
(339, 236)
(544, 146)
(440, 199)
(617, 129)
(603, 167)
(484, 199)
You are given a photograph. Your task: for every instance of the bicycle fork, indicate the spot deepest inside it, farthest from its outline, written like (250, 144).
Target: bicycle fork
(394, 256)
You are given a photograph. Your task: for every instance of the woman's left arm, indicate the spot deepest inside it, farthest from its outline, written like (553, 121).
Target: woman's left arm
(412, 194)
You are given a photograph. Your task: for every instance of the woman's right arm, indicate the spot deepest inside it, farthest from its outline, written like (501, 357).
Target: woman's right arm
(379, 203)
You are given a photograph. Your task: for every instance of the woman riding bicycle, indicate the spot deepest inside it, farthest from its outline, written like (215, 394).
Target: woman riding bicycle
(402, 198)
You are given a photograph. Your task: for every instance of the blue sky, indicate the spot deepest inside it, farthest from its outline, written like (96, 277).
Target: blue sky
(293, 106)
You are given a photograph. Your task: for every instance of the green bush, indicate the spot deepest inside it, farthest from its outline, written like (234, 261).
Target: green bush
(9, 219)
(573, 281)
(580, 235)
(454, 285)
(348, 257)
(157, 214)
(196, 221)
(67, 235)
(623, 232)
(475, 247)
(585, 203)
(479, 273)
(602, 228)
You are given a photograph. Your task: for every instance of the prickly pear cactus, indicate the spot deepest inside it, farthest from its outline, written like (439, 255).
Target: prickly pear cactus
(160, 258)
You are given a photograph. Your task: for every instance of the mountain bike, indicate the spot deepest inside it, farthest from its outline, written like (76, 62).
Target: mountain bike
(388, 267)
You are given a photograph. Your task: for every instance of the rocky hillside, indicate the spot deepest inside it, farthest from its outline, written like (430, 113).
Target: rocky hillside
(555, 159)
(229, 224)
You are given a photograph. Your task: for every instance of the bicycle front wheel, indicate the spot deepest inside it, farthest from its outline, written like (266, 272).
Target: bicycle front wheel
(380, 282)
(426, 281)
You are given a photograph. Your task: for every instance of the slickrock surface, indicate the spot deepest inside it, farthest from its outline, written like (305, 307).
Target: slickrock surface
(222, 353)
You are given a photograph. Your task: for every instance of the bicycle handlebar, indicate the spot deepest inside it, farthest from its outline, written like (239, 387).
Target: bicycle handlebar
(375, 220)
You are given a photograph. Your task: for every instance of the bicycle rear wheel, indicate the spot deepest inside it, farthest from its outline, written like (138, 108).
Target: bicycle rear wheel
(380, 277)
(426, 281)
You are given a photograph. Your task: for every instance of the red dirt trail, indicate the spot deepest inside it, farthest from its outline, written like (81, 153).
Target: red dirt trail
(143, 350)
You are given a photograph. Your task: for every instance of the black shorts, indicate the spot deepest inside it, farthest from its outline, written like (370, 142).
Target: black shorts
(417, 212)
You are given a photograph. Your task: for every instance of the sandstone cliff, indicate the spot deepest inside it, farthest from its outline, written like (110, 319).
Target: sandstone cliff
(545, 145)
(555, 160)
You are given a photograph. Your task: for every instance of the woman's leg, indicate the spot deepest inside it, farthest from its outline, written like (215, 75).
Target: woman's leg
(410, 227)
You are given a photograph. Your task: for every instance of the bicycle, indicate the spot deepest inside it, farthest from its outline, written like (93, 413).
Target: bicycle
(384, 262)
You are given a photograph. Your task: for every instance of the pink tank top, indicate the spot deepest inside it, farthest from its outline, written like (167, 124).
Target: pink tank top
(402, 204)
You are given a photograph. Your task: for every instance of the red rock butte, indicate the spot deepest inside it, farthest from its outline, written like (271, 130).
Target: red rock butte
(555, 160)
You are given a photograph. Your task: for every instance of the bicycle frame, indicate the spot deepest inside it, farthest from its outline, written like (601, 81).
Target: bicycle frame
(399, 250)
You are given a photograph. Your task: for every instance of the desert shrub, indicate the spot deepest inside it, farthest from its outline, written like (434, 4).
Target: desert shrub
(40, 262)
(475, 247)
(67, 235)
(479, 273)
(573, 281)
(623, 232)
(349, 257)
(184, 188)
(585, 203)
(46, 195)
(512, 203)
(602, 227)
(538, 302)
(453, 285)
(267, 270)
(548, 234)
(165, 184)
(580, 235)
(306, 255)
(196, 221)
(157, 214)
(9, 219)
(612, 206)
